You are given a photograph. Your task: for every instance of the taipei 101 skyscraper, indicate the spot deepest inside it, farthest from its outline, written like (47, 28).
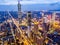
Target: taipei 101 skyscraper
(19, 11)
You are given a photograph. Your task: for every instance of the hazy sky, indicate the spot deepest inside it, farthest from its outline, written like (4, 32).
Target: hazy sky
(8, 2)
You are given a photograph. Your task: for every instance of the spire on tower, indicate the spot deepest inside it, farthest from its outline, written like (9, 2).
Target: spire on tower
(19, 1)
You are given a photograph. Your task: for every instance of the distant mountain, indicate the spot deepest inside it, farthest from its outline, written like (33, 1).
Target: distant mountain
(32, 7)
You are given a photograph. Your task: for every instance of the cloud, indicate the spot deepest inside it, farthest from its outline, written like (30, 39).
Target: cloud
(13, 2)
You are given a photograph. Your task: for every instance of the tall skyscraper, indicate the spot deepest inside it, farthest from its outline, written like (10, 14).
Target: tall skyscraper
(19, 10)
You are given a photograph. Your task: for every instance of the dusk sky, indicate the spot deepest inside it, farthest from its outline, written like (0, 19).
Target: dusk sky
(13, 2)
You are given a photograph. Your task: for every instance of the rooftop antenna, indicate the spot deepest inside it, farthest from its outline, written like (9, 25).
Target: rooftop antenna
(19, 11)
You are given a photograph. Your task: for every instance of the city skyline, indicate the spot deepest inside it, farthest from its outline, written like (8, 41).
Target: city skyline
(30, 5)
